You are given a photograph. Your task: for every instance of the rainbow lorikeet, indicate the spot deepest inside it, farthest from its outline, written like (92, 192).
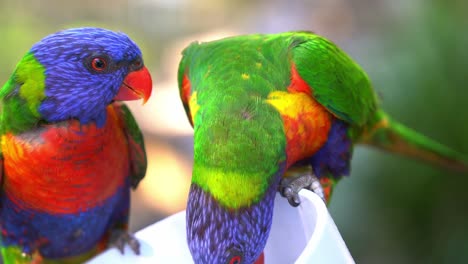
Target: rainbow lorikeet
(276, 112)
(70, 152)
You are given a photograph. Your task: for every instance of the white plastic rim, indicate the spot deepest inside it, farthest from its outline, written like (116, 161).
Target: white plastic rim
(303, 234)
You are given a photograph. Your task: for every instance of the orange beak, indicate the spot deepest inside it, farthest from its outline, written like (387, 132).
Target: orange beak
(137, 85)
(261, 259)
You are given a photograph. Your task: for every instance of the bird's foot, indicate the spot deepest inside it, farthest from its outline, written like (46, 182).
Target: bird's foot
(290, 186)
(121, 237)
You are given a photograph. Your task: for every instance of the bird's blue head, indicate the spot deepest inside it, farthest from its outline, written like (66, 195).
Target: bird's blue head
(216, 234)
(85, 69)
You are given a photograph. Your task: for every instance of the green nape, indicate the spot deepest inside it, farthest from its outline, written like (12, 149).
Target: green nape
(26, 86)
(232, 190)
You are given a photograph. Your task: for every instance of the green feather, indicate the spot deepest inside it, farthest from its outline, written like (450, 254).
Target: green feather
(238, 136)
(137, 145)
(240, 140)
(385, 133)
(337, 82)
(237, 167)
(14, 255)
(26, 86)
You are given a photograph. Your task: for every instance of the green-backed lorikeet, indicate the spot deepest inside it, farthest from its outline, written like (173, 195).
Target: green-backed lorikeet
(276, 112)
(70, 151)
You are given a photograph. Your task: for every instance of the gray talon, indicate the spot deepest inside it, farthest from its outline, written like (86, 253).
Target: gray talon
(121, 237)
(317, 188)
(290, 186)
(292, 196)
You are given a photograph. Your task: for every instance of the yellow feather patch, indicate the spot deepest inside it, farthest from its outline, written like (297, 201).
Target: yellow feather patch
(291, 104)
(232, 190)
(193, 105)
(306, 123)
(15, 152)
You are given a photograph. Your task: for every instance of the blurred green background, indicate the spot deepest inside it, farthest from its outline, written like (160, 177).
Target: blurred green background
(391, 210)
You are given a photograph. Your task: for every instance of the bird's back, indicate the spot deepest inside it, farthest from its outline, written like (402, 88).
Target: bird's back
(253, 63)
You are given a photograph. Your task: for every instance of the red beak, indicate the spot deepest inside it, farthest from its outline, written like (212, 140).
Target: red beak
(137, 85)
(261, 259)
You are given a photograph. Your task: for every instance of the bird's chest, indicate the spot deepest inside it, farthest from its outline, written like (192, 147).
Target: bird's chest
(306, 123)
(65, 168)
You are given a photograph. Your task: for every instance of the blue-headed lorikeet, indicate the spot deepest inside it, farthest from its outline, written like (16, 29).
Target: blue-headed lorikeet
(70, 151)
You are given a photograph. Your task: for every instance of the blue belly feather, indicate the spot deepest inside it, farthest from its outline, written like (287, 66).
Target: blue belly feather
(63, 235)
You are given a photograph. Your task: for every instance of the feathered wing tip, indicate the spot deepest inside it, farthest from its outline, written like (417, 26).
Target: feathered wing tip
(387, 134)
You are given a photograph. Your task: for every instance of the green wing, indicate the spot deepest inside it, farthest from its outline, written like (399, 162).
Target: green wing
(336, 81)
(138, 160)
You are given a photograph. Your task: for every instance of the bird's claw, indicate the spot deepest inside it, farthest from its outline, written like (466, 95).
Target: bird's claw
(290, 186)
(291, 195)
(120, 238)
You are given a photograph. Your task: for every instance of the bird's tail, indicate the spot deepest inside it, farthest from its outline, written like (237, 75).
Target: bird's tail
(392, 136)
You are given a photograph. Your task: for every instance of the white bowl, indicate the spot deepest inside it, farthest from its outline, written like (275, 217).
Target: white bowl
(306, 234)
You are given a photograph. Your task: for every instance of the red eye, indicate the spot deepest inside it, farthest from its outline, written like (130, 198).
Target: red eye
(235, 260)
(99, 64)
(138, 63)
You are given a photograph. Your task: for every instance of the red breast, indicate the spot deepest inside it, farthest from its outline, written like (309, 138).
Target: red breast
(66, 167)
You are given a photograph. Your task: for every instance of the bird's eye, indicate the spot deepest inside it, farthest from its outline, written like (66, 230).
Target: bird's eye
(136, 64)
(99, 64)
(235, 260)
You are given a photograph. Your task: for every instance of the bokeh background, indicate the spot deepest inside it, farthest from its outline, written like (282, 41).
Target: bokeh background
(391, 210)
